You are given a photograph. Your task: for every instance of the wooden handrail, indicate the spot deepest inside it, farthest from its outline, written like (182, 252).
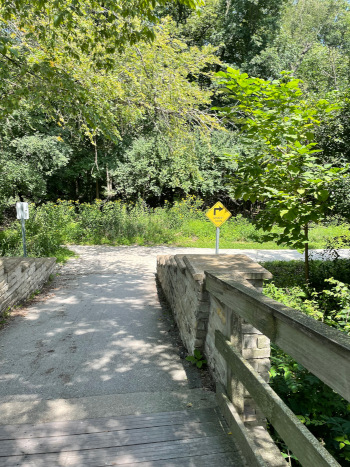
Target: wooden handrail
(324, 351)
(297, 437)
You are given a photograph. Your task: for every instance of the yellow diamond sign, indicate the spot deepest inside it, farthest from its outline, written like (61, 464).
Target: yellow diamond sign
(218, 214)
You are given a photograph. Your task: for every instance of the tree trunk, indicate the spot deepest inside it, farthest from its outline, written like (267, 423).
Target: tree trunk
(97, 190)
(108, 183)
(306, 251)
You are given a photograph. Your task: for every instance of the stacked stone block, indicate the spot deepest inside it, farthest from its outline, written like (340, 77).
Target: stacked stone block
(187, 298)
(20, 277)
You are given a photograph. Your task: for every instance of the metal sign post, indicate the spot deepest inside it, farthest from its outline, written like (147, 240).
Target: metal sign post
(22, 214)
(218, 214)
(24, 238)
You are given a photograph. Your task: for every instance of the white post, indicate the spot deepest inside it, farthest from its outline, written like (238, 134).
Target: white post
(24, 237)
(217, 240)
(22, 214)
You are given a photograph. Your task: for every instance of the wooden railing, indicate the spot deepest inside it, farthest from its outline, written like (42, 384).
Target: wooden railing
(324, 351)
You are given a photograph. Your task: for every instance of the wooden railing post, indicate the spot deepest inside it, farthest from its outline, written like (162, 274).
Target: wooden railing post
(249, 341)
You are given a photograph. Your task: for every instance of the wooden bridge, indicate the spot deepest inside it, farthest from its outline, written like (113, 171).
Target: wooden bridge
(191, 438)
(219, 308)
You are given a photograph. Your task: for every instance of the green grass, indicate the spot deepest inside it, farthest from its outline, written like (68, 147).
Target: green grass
(239, 233)
(184, 224)
(63, 254)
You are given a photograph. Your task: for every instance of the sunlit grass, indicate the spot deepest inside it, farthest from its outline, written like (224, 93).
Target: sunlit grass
(183, 224)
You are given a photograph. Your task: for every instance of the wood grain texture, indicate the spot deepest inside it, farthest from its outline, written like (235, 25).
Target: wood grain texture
(186, 438)
(321, 349)
(298, 438)
(99, 425)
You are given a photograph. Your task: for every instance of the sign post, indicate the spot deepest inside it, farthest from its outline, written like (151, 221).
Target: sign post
(217, 240)
(22, 214)
(218, 215)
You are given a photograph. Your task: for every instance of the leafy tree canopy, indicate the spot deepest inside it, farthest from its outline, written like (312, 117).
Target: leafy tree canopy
(119, 22)
(284, 173)
(313, 41)
(145, 78)
(146, 91)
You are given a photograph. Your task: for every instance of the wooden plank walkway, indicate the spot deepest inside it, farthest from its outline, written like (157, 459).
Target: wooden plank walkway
(190, 438)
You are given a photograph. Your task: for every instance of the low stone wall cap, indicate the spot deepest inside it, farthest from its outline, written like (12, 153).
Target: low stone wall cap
(224, 264)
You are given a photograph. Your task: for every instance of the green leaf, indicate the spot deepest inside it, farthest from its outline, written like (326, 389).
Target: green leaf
(58, 19)
(322, 195)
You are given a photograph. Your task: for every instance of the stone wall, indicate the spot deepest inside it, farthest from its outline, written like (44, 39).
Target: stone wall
(198, 315)
(253, 346)
(188, 299)
(20, 277)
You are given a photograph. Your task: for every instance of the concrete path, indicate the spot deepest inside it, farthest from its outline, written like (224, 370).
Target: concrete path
(100, 343)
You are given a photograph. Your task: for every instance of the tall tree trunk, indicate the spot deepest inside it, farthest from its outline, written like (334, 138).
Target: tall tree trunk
(306, 252)
(108, 183)
(97, 190)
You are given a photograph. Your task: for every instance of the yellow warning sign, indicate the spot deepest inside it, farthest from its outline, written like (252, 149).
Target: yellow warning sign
(218, 214)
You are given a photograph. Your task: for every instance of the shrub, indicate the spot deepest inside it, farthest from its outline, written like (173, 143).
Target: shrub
(325, 413)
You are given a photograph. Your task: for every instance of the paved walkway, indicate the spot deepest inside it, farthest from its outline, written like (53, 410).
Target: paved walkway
(100, 343)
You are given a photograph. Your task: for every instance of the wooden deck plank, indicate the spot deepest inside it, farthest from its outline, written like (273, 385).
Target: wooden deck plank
(108, 439)
(127, 454)
(188, 439)
(211, 460)
(66, 428)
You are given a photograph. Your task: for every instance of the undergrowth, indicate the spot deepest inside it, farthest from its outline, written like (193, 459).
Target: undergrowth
(326, 298)
(184, 223)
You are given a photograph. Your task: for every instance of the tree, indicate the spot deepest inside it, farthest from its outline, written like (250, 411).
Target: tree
(120, 23)
(27, 157)
(241, 29)
(313, 41)
(248, 27)
(157, 168)
(284, 173)
(48, 49)
(197, 29)
(98, 113)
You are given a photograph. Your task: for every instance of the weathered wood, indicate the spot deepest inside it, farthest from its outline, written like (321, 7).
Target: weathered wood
(239, 431)
(322, 350)
(126, 422)
(141, 453)
(297, 437)
(108, 439)
(216, 460)
(209, 460)
(192, 440)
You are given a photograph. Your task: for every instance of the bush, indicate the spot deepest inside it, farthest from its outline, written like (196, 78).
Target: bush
(116, 223)
(325, 413)
(45, 231)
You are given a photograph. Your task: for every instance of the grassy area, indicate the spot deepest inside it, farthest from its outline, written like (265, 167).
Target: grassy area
(115, 223)
(62, 254)
(240, 233)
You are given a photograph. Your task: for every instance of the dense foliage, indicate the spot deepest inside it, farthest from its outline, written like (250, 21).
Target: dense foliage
(284, 172)
(182, 223)
(325, 413)
(92, 93)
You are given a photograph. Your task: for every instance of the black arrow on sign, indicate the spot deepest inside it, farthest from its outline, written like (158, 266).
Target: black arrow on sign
(217, 209)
